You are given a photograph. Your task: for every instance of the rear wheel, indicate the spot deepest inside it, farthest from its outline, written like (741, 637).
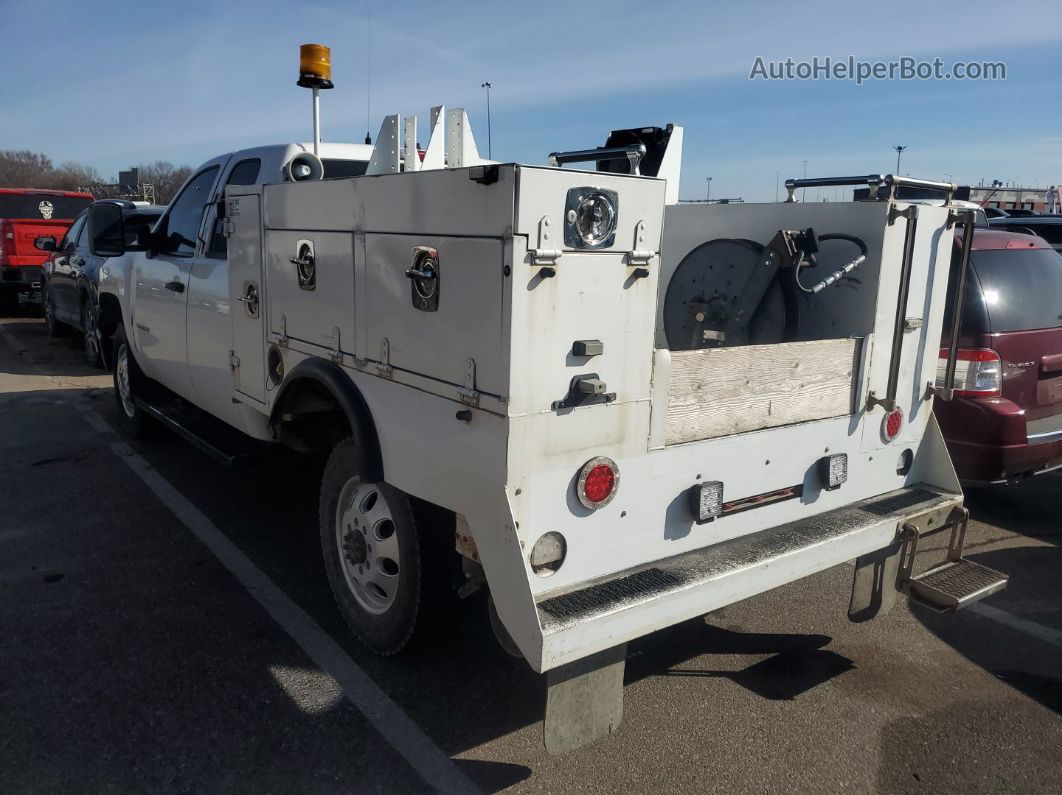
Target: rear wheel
(127, 381)
(55, 328)
(372, 553)
(90, 332)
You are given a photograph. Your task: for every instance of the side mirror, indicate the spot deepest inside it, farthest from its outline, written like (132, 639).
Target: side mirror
(44, 243)
(106, 229)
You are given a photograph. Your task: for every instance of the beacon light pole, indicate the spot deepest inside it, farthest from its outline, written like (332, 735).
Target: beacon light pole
(315, 71)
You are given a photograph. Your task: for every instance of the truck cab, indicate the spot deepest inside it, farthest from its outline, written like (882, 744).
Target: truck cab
(172, 290)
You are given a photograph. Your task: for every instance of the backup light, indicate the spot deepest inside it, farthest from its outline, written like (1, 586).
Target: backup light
(706, 501)
(833, 470)
(978, 372)
(590, 216)
(597, 484)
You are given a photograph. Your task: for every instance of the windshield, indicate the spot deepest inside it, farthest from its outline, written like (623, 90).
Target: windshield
(41, 206)
(1022, 289)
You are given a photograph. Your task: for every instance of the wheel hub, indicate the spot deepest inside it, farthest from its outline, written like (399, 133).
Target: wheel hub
(368, 545)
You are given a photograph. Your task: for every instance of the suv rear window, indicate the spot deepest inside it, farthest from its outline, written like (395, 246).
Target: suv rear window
(41, 206)
(1021, 289)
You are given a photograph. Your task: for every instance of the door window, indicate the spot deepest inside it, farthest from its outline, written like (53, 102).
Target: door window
(73, 234)
(180, 228)
(243, 173)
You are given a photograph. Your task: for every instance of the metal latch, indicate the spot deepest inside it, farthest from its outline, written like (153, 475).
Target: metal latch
(383, 369)
(544, 254)
(468, 392)
(234, 360)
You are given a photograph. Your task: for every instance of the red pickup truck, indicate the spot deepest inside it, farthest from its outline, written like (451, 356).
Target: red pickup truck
(25, 215)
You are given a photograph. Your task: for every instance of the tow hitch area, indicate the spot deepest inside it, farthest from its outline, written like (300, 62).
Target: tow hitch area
(954, 584)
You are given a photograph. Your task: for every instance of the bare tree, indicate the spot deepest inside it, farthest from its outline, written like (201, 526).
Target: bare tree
(25, 169)
(165, 176)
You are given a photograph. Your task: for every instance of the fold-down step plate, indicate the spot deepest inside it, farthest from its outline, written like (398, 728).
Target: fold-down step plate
(956, 584)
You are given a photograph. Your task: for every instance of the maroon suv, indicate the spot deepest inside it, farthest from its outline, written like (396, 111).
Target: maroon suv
(1005, 422)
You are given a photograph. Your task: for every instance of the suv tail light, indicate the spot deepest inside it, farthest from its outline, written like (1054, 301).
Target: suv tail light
(978, 372)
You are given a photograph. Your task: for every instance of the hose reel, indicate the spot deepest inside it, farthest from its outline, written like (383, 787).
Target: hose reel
(730, 292)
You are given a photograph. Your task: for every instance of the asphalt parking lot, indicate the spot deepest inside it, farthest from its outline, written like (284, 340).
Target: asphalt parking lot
(165, 626)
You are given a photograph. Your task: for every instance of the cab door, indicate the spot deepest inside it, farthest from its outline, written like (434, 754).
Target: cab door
(245, 286)
(162, 284)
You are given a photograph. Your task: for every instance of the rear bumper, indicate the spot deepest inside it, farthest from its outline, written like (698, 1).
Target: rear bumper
(991, 441)
(607, 612)
(981, 463)
(21, 277)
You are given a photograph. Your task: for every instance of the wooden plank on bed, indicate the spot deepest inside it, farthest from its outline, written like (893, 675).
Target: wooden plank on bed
(723, 391)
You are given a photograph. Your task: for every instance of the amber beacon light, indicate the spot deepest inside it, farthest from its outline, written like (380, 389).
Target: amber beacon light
(315, 72)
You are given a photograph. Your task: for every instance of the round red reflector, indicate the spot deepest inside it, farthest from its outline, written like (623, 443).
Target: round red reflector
(598, 479)
(892, 424)
(599, 483)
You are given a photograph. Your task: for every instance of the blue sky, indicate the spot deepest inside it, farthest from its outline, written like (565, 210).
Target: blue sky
(111, 84)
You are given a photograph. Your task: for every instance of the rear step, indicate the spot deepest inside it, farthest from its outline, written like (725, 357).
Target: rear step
(218, 440)
(954, 584)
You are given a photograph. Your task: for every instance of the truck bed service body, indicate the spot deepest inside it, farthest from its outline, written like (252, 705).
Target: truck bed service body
(622, 412)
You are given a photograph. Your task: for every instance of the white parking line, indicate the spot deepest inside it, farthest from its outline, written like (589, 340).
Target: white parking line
(1024, 625)
(397, 728)
(392, 723)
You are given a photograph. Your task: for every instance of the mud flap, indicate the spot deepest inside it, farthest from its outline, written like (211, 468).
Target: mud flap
(584, 700)
(874, 585)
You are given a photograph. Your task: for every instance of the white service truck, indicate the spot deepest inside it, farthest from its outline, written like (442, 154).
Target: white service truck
(616, 411)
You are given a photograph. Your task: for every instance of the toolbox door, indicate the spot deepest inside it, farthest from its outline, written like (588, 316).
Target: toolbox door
(245, 289)
(434, 325)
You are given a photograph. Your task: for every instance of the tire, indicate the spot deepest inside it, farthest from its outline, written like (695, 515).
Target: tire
(128, 380)
(90, 333)
(372, 553)
(55, 327)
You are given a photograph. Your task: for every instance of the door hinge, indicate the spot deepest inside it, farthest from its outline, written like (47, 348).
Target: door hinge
(337, 353)
(468, 392)
(227, 227)
(638, 255)
(383, 369)
(234, 360)
(544, 253)
(284, 330)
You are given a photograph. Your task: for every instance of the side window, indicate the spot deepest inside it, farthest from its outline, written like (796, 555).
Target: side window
(181, 228)
(243, 173)
(70, 239)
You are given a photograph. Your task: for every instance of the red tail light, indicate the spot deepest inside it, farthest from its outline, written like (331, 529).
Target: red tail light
(978, 372)
(598, 479)
(7, 240)
(892, 424)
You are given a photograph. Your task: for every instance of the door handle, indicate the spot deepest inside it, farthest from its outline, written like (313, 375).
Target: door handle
(176, 286)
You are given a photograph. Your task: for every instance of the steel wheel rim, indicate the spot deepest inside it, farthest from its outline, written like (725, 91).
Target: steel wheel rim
(88, 322)
(367, 541)
(121, 372)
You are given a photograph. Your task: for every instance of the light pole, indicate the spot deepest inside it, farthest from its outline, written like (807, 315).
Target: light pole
(708, 196)
(488, 85)
(804, 193)
(899, 151)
